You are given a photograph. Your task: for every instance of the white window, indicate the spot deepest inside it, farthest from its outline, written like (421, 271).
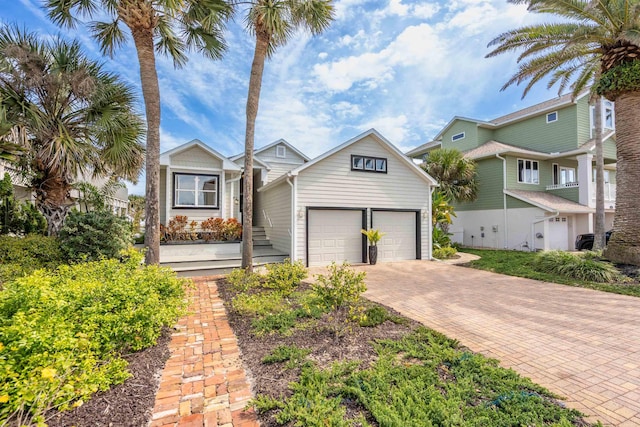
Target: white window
(457, 136)
(357, 162)
(195, 191)
(606, 176)
(281, 151)
(381, 165)
(369, 164)
(609, 118)
(552, 117)
(563, 174)
(528, 171)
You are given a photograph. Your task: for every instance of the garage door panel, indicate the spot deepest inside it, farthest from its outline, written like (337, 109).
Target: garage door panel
(399, 241)
(334, 235)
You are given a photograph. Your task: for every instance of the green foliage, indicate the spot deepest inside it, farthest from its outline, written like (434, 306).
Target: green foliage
(342, 287)
(444, 252)
(241, 280)
(373, 236)
(61, 333)
(136, 210)
(258, 304)
(440, 238)
(441, 209)
(23, 255)
(15, 216)
(180, 228)
(576, 267)
(285, 276)
(294, 356)
(94, 235)
(518, 263)
(456, 174)
(620, 79)
(374, 316)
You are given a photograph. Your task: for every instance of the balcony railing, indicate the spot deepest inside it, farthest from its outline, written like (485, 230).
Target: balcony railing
(561, 186)
(609, 192)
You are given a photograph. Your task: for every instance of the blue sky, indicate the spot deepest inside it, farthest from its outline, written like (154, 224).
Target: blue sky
(403, 67)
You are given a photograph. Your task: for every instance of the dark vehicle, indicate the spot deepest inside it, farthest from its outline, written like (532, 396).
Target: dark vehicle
(584, 242)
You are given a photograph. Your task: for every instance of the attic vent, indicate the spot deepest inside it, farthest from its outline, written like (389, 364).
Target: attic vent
(458, 136)
(552, 117)
(281, 151)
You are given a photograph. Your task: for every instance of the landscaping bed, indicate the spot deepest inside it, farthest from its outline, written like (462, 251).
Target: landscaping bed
(317, 359)
(624, 280)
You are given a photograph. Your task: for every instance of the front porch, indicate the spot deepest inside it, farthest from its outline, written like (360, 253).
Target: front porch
(217, 258)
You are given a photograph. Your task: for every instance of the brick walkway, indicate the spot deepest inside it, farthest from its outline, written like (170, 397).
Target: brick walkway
(578, 343)
(203, 383)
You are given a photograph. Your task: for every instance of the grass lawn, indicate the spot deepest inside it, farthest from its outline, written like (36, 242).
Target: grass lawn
(327, 357)
(520, 264)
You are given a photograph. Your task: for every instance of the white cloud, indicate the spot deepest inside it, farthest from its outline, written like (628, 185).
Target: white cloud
(323, 55)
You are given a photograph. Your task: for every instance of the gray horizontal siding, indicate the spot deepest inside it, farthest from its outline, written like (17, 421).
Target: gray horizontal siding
(276, 204)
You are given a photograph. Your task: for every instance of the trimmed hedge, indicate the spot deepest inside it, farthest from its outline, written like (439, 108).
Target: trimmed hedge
(20, 256)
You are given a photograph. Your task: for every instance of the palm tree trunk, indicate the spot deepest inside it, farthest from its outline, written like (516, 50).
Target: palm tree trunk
(599, 240)
(624, 246)
(52, 200)
(143, 39)
(253, 99)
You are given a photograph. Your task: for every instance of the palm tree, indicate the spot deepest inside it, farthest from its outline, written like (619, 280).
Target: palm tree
(173, 27)
(273, 23)
(599, 232)
(601, 36)
(455, 174)
(69, 115)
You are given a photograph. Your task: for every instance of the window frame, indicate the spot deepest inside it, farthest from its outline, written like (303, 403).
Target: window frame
(282, 155)
(196, 191)
(524, 169)
(458, 136)
(365, 168)
(552, 113)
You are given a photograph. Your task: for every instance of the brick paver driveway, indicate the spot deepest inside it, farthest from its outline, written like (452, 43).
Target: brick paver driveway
(579, 343)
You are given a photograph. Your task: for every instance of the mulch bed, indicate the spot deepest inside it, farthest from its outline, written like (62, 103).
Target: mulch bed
(327, 348)
(127, 404)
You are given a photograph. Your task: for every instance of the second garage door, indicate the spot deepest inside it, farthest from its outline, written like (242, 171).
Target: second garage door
(399, 241)
(334, 235)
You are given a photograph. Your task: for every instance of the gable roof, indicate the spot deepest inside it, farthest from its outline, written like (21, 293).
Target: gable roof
(266, 147)
(491, 148)
(421, 149)
(371, 132)
(255, 160)
(226, 163)
(542, 107)
(549, 202)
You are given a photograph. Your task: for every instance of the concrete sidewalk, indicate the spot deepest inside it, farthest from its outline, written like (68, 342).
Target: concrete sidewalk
(578, 343)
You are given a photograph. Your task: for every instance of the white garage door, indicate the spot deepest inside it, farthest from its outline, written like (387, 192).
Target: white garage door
(558, 233)
(334, 235)
(399, 241)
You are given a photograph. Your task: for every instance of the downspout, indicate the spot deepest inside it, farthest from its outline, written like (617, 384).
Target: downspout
(533, 229)
(430, 211)
(504, 201)
(232, 198)
(294, 196)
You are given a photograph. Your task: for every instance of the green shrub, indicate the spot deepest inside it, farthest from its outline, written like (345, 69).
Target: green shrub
(94, 235)
(342, 287)
(16, 216)
(241, 280)
(285, 276)
(62, 332)
(374, 316)
(294, 356)
(258, 304)
(23, 255)
(281, 322)
(444, 252)
(577, 267)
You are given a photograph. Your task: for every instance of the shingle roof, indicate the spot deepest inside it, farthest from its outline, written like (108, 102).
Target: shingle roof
(492, 148)
(549, 202)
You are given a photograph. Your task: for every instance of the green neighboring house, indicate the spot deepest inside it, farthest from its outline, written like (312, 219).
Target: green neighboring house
(536, 173)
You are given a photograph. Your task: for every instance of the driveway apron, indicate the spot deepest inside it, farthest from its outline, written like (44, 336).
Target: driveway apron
(579, 343)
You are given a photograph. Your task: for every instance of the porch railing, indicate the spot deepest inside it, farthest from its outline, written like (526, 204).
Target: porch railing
(560, 186)
(609, 192)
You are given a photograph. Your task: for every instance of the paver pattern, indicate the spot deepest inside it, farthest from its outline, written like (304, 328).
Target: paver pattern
(203, 383)
(578, 343)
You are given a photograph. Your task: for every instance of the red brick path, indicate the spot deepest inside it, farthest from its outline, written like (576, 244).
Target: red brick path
(203, 383)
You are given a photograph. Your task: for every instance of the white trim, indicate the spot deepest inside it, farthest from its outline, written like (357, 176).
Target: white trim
(168, 195)
(219, 192)
(518, 159)
(371, 132)
(279, 148)
(555, 119)
(460, 135)
(227, 164)
(266, 147)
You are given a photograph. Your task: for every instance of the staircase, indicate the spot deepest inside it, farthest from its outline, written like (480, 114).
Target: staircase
(207, 265)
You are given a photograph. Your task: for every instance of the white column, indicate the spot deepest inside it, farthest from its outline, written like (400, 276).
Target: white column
(585, 180)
